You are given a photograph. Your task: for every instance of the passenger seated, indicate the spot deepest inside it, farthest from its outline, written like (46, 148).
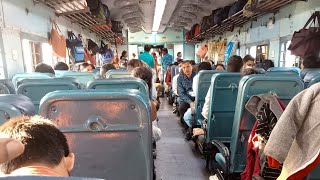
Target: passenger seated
(235, 64)
(168, 78)
(248, 62)
(185, 81)
(61, 66)
(134, 63)
(46, 151)
(264, 63)
(309, 62)
(220, 67)
(145, 74)
(44, 68)
(104, 69)
(188, 115)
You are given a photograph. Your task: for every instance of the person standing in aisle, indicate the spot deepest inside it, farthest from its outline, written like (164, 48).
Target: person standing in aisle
(147, 57)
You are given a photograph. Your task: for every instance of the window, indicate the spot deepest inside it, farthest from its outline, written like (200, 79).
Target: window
(286, 59)
(262, 50)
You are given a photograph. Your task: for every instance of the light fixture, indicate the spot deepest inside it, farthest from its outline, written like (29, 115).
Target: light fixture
(158, 13)
(154, 32)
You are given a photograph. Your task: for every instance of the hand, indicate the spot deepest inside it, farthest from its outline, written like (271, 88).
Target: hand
(10, 149)
(192, 106)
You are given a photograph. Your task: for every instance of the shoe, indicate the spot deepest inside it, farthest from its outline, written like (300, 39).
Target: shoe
(188, 136)
(174, 111)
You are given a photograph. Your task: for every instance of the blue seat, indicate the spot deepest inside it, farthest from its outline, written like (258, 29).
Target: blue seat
(82, 77)
(13, 105)
(314, 80)
(285, 69)
(260, 70)
(173, 71)
(35, 75)
(176, 70)
(203, 86)
(109, 131)
(36, 89)
(232, 160)
(223, 97)
(115, 73)
(121, 83)
(308, 74)
(281, 73)
(58, 73)
(6, 87)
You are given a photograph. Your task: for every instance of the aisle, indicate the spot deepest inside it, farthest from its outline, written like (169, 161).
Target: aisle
(177, 159)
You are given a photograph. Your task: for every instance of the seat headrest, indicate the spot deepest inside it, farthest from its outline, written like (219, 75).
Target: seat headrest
(308, 74)
(19, 101)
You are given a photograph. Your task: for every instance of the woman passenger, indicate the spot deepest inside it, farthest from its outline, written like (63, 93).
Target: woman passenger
(145, 74)
(104, 69)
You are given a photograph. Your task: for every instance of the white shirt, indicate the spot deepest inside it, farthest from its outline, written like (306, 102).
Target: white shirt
(205, 109)
(175, 84)
(195, 84)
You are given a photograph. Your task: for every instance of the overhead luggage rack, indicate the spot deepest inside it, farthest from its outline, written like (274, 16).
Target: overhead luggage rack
(238, 19)
(78, 12)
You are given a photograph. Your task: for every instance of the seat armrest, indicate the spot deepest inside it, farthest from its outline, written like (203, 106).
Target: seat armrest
(224, 150)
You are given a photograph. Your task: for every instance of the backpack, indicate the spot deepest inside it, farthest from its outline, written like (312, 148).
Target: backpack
(99, 10)
(116, 26)
(221, 14)
(107, 55)
(236, 7)
(93, 47)
(76, 48)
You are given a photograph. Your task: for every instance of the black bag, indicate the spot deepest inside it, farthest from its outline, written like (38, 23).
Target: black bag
(94, 6)
(236, 7)
(93, 47)
(99, 10)
(221, 14)
(206, 23)
(116, 26)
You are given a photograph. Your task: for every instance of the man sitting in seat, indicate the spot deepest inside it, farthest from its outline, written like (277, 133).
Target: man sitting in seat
(46, 151)
(185, 91)
(248, 62)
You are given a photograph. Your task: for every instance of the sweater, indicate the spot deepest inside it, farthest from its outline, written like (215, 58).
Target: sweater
(295, 139)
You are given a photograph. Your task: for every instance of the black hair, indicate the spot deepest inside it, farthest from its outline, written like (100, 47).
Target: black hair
(44, 143)
(44, 68)
(235, 64)
(165, 50)
(105, 68)
(248, 58)
(147, 48)
(143, 73)
(220, 65)
(311, 61)
(204, 66)
(61, 66)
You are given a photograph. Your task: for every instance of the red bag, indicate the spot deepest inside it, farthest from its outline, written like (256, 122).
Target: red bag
(203, 51)
(197, 30)
(306, 41)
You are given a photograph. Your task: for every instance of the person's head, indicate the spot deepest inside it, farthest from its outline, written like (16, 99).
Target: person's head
(220, 67)
(134, 63)
(61, 66)
(164, 51)
(250, 71)
(169, 67)
(235, 64)
(143, 73)
(192, 62)
(45, 145)
(124, 54)
(147, 48)
(310, 61)
(179, 55)
(248, 61)
(105, 68)
(134, 55)
(44, 68)
(154, 54)
(186, 68)
(261, 58)
(204, 66)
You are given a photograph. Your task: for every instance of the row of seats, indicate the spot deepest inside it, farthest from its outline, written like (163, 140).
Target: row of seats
(229, 124)
(104, 127)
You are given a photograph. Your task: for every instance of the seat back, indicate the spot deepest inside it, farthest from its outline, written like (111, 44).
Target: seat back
(18, 77)
(260, 70)
(58, 73)
(309, 75)
(285, 69)
(204, 81)
(82, 77)
(314, 80)
(109, 131)
(284, 87)
(173, 71)
(36, 89)
(12, 105)
(176, 70)
(281, 73)
(115, 73)
(121, 83)
(6, 87)
(223, 97)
